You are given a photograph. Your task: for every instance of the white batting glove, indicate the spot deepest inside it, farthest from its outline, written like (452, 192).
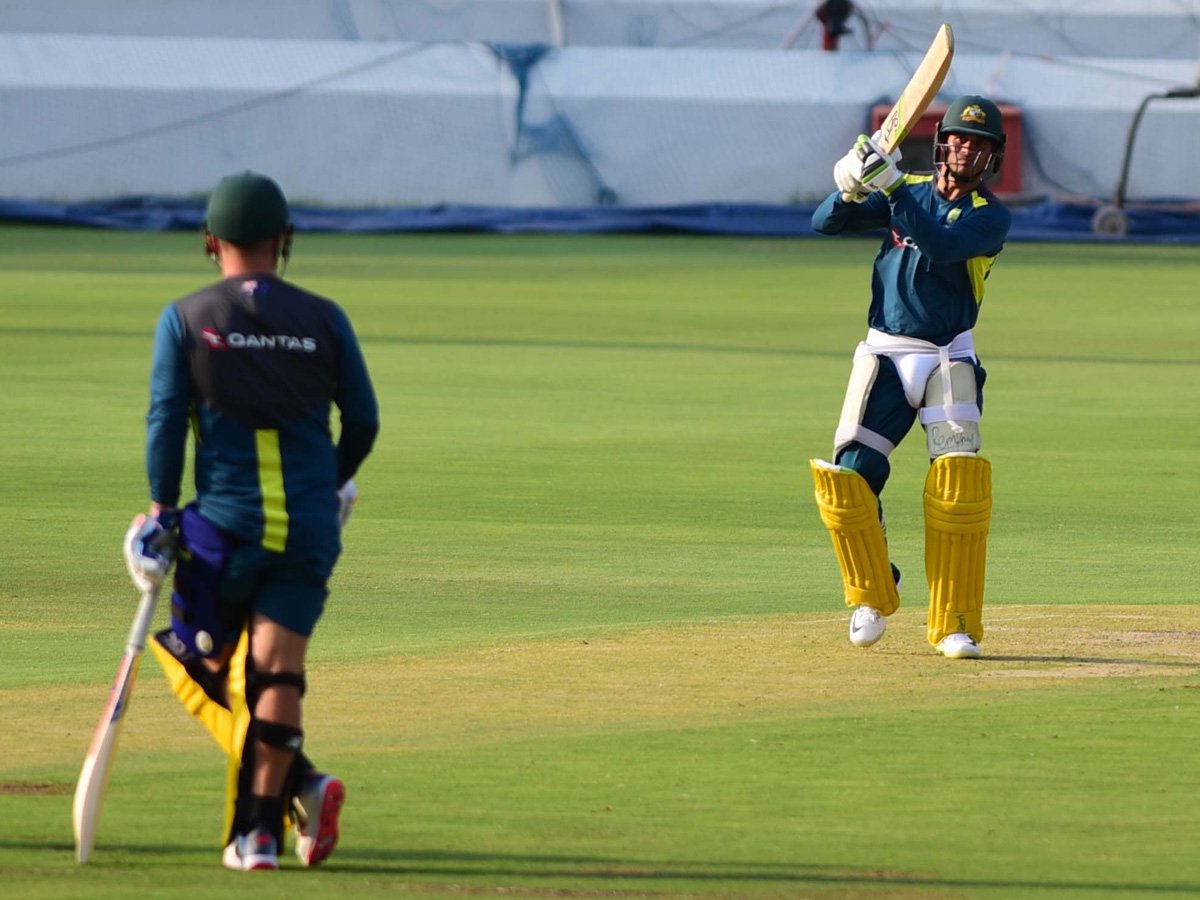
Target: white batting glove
(347, 496)
(150, 546)
(879, 170)
(846, 173)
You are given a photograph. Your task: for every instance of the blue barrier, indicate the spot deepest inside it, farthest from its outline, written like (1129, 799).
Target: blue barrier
(1042, 222)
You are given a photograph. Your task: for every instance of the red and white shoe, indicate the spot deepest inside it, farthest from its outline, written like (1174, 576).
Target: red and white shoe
(317, 806)
(254, 851)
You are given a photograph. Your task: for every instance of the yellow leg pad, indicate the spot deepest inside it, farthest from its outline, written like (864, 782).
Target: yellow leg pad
(240, 724)
(850, 511)
(216, 719)
(958, 511)
(213, 716)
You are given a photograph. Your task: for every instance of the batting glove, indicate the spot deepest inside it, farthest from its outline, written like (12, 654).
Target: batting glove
(150, 547)
(846, 173)
(347, 496)
(879, 170)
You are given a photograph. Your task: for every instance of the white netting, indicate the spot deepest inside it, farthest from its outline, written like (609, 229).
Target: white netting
(1164, 29)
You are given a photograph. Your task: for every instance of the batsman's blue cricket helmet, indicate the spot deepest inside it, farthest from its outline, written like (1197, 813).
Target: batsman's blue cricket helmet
(247, 208)
(972, 114)
(976, 115)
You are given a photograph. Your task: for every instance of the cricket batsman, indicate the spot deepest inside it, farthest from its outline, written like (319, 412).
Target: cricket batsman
(944, 232)
(251, 365)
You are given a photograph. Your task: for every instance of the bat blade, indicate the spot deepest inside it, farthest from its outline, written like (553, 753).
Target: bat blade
(89, 791)
(920, 90)
(917, 94)
(93, 776)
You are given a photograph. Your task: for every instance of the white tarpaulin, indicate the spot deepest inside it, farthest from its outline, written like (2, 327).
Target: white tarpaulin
(395, 124)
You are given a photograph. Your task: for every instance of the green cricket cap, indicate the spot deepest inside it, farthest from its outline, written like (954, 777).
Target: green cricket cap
(973, 114)
(247, 208)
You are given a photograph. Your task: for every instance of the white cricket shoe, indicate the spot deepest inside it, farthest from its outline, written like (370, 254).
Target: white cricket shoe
(249, 852)
(867, 626)
(958, 646)
(317, 806)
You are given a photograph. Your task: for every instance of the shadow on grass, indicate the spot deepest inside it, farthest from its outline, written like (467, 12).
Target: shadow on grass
(1095, 661)
(492, 866)
(637, 346)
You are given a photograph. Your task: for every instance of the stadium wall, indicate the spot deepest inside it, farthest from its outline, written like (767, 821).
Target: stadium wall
(375, 124)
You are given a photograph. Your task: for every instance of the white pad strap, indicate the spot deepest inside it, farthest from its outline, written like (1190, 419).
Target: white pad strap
(958, 412)
(947, 389)
(865, 436)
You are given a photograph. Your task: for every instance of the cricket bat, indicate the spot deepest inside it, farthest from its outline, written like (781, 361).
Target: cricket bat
(918, 93)
(89, 792)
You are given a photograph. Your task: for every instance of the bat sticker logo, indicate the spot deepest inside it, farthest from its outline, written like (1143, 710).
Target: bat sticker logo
(892, 124)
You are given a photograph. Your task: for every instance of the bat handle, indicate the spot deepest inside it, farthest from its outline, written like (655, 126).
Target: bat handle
(141, 621)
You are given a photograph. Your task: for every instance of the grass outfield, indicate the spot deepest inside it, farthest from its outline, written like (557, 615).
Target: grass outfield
(586, 640)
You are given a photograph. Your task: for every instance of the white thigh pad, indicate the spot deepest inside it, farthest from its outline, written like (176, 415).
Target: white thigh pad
(952, 427)
(850, 427)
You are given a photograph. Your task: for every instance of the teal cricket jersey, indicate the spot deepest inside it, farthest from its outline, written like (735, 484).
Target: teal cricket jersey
(931, 269)
(254, 365)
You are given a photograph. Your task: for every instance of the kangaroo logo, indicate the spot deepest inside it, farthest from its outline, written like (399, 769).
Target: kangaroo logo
(974, 113)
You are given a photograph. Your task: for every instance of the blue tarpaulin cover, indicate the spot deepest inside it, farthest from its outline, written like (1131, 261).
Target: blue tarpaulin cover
(1041, 222)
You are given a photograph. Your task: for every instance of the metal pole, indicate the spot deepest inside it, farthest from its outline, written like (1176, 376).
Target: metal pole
(1112, 219)
(1119, 197)
(1179, 93)
(558, 30)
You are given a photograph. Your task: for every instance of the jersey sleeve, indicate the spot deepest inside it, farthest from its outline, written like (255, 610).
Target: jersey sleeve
(835, 216)
(981, 232)
(355, 400)
(167, 419)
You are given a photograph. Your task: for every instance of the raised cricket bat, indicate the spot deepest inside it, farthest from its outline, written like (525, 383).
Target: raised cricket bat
(89, 792)
(918, 93)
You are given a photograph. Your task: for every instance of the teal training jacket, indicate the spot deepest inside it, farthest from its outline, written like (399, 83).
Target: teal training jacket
(255, 366)
(935, 257)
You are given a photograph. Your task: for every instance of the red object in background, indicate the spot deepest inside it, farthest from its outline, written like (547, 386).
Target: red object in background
(917, 148)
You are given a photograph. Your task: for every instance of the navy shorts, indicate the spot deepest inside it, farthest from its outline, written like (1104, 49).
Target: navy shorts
(888, 413)
(288, 588)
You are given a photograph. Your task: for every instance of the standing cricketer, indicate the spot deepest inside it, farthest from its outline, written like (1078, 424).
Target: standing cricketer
(944, 232)
(252, 364)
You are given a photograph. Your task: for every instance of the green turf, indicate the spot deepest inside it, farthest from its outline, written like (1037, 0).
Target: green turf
(586, 639)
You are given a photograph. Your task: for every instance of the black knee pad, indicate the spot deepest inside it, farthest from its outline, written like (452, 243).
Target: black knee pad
(275, 734)
(257, 682)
